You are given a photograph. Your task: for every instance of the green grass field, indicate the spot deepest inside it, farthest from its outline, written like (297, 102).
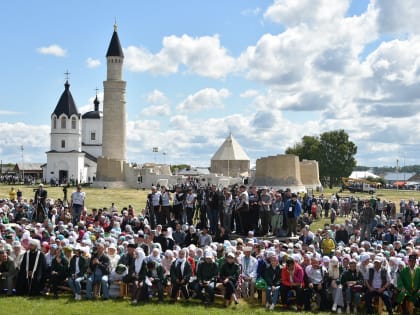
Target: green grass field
(67, 306)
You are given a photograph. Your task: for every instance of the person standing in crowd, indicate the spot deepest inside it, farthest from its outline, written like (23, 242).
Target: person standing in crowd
(162, 216)
(40, 204)
(154, 202)
(277, 214)
(190, 200)
(366, 218)
(265, 210)
(243, 211)
(227, 210)
(213, 208)
(250, 218)
(77, 204)
(178, 204)
(293, 209)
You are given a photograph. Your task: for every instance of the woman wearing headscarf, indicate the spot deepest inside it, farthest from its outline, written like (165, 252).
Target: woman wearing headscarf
(180, 273)
(59, 271)
(334, 275)
(139, 274)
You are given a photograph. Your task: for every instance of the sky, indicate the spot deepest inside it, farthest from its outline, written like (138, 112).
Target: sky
(268, 71)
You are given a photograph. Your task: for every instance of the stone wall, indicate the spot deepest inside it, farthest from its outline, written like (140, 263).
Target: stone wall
(309, 174)
(280, 171)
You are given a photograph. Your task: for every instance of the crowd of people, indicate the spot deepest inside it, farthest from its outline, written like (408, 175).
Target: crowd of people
(244, 243)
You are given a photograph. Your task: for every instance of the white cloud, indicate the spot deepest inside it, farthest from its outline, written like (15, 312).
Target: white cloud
(156, 97)
(54, 50)
(398, 16)
(156, 110)
(205, 98)
(249, 93)
(93, 63)
(33, 138)
(8, 112)
(203, 56)
(310, 12)
(159, 104)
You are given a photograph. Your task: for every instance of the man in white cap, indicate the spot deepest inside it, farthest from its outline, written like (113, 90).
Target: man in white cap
(31, 277)
(377, 284)
(249, 273)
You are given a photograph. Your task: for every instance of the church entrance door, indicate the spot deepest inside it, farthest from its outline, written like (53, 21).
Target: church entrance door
(63, 176)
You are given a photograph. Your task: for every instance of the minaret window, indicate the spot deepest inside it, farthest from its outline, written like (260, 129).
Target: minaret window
(93, 136)
(63, 144)
(73, 123)
(63, 123)
(55, 122)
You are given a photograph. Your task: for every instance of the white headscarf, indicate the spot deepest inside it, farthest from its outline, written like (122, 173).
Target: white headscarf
(140, 256)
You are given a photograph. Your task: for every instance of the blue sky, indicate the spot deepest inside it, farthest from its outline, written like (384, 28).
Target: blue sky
(269, 71)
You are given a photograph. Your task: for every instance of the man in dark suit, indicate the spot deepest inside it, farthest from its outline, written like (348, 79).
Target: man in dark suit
(77, 271)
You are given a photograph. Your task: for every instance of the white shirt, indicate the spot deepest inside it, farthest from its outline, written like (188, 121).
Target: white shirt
(78, 197)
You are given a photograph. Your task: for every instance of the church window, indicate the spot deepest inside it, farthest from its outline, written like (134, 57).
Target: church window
(63, 122)
(93, 136)
(55, 122)
(73, 123)
(63, 143)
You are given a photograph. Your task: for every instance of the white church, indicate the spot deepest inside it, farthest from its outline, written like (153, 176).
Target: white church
(75, 142)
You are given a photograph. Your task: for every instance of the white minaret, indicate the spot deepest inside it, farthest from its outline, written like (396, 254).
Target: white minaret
(111, 163)
(114, 124)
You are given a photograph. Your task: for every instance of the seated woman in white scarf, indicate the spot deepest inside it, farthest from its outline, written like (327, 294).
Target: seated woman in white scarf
(155, 255)
(139, 275)
(334, 275)
(113, 256)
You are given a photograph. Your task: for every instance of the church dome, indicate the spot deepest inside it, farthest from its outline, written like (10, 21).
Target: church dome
(66, 104)
(94, 114)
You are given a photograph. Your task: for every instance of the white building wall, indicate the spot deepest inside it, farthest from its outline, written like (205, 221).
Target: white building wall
(72, 137)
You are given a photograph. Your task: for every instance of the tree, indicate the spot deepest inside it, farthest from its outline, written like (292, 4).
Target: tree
(336, 156)
(308, 149)
(333, 151)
